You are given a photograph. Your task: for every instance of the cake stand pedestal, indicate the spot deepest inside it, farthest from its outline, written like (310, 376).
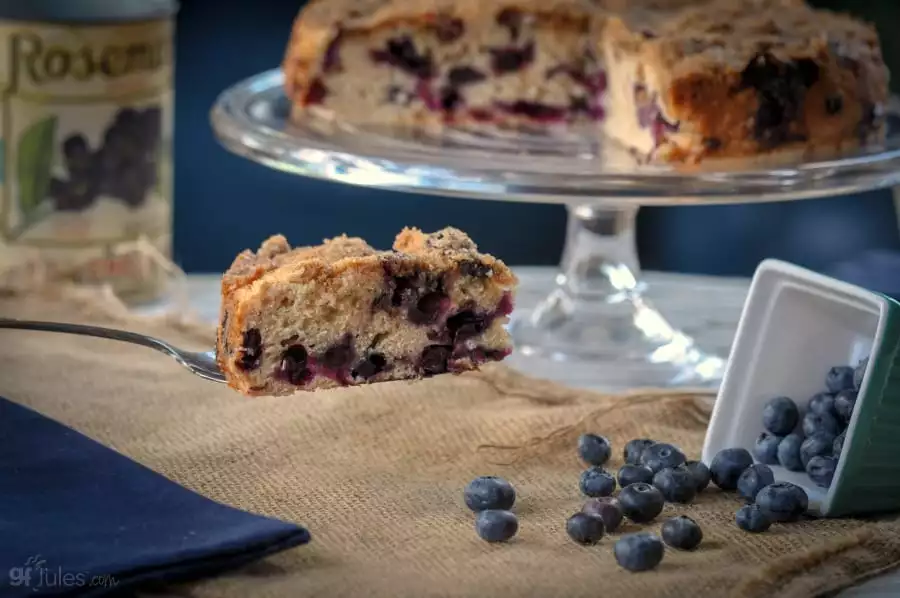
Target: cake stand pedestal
(598, 312)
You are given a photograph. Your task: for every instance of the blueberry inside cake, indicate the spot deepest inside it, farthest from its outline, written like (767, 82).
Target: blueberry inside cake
(343, 313)
(672, 81)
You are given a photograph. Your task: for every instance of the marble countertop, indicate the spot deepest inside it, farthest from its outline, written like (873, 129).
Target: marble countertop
(706, 308)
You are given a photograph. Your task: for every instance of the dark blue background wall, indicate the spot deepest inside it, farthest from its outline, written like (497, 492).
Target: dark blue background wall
(225, 204)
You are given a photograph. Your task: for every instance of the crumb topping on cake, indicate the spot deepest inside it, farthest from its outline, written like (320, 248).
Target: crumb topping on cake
(445, 249)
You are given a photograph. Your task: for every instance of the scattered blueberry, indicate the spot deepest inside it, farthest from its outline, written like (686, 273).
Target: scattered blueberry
(585, 529)
(822, 402)
(681, 532)
(820, 445)
(789, 452)
(676, 484)
(751, 518)
(838, 446)
(635, 448)
(593, 449)
(820, 423)
(844, 403)
(859, 372)
(821, 470)
(661, 455)
(783, 501)
(728, 465)
(755, 478)
(606, 509)
(839, 378)
(639, 552)
(489, 492)
(641, 502)
(780, 416)
(597, 482)
(495, 525)
(766, 448)
(701, 474)
(632, 474)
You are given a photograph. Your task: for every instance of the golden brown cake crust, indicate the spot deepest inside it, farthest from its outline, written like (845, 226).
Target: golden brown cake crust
(740, 83)
(339, 287)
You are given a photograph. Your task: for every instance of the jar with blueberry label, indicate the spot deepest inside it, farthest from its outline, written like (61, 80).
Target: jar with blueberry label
(85, 142)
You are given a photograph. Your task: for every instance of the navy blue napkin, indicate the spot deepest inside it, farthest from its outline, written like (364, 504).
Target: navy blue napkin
(79, 519)
(877, 270)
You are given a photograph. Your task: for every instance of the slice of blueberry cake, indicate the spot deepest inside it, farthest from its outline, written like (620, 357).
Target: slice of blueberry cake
(343, 313)
(721, 82)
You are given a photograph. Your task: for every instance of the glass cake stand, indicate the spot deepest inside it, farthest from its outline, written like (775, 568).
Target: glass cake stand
(598, 315)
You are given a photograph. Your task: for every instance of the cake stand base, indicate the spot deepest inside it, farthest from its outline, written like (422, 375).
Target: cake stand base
(599, 316)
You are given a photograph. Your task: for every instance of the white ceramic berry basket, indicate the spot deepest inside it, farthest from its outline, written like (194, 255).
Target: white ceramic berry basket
(795, 325)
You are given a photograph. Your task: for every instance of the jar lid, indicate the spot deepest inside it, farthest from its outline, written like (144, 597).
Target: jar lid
(87, 11)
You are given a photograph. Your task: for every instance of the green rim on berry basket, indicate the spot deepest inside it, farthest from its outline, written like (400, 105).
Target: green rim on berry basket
(868, 474)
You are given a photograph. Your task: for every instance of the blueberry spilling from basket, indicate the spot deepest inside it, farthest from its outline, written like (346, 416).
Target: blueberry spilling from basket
(811, 440)
(124, 167)
(656, 473)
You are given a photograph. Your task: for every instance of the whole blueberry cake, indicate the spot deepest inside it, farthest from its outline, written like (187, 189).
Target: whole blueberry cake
(343, 313)
(675, 81)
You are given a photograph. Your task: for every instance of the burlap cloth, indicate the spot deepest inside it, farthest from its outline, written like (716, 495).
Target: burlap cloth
(377, 474)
